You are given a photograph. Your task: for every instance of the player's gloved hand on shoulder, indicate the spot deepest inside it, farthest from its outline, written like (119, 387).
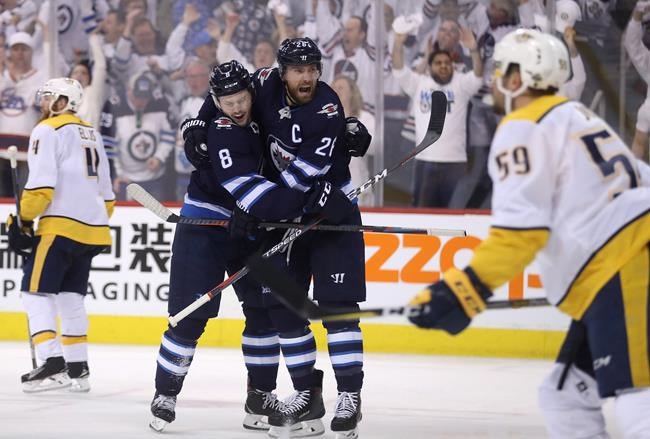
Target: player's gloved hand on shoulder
(21, 239)
(450, 304)
(357, 138)
(195, 138)
(328, 201)
(243, 225)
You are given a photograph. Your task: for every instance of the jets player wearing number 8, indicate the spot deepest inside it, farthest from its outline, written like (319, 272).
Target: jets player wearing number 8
(568, 191)
(69, 190)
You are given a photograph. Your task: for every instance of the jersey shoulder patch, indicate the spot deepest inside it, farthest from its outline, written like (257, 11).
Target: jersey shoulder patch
(223, 123)
(263, 75)
(330, 110)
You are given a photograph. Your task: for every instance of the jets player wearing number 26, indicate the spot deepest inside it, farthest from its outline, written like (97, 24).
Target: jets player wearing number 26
(69, 190)
(568, 191)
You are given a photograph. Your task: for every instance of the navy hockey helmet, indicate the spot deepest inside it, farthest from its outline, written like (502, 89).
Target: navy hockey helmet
(298, 51)
(229, 78)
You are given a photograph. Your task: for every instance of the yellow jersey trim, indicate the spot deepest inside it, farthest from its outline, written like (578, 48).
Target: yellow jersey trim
(634, 285)
(75, 230)
(536, 110)
(68, 340)
(57, 122)
(42, 250)
(33, 202)
(110, 207)
(604, 264)
(505, 253)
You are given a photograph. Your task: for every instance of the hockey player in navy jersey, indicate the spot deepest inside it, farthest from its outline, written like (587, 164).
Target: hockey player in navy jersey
(303, 129)
(201, 255)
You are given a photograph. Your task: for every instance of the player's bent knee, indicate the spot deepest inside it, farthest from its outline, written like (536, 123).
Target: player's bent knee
(575, 410)
(188, 331)
(41, 310)
(340, 325)
(632, 408)
(74, 320)
(286, 321)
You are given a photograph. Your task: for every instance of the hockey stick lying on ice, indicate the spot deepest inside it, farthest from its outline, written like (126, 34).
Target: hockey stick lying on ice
(434, 130)
(287, 291)
(140, 194)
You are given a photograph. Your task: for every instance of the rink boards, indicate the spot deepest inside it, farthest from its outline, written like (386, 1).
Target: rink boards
(129, 286)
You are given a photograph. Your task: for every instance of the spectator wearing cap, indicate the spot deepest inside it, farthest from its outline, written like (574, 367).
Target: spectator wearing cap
(19, 111)
(639, 53)
(204, 47)
(136, 127)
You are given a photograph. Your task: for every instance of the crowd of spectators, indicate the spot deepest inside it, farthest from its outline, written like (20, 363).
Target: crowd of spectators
(145, 64)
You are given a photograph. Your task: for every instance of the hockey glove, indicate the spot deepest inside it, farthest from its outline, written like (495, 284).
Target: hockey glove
(21, 239)
(195, 137)
(357, 137)
(243, 225)
(450, 304)
(329, 202)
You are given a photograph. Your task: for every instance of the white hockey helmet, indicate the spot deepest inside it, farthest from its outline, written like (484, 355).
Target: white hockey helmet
(68, 87)
(543, 61)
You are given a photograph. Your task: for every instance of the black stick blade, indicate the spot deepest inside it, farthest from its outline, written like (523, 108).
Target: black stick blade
(438, 112)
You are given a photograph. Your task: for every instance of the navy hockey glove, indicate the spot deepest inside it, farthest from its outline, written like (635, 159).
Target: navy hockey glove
(195, 138)
(243, 225)
(357, 137)
(329, 202)
(450, 304)
(21, 239)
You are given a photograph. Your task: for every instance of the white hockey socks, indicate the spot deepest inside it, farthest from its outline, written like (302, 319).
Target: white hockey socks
(575, 411)
(632, 408)
(74, 326)
(41, 312)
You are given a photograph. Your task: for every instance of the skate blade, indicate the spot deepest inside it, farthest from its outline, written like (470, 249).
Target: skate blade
(54, 382)
(350, 434)
(256, 422)
(158, 424)
(79, 385)
(302, 429)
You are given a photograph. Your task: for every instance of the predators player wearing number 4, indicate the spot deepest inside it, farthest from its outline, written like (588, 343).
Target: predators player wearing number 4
(69, 190)
(569, 192)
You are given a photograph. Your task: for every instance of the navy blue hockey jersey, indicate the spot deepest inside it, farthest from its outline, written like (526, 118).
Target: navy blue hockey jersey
(302, 143)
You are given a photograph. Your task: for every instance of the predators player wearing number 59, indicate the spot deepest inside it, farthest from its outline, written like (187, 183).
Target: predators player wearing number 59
(568, 191)
(69, 190)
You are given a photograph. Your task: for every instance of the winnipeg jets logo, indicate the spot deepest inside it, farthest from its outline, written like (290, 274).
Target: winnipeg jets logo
(281, 154)
(224, 122)
(264, 75)
(285, 112)
(330, 110)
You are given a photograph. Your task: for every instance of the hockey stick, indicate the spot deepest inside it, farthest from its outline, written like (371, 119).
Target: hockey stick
(434, 130)
(12, 152)
(287, 291)
(140, 194)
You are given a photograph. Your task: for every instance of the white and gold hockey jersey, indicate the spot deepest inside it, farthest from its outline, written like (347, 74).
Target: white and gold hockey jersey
(569, 191)
(69, 184)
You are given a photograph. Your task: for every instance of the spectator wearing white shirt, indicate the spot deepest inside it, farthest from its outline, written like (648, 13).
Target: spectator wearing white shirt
(438, 169)
(93, 81)
(18, 108)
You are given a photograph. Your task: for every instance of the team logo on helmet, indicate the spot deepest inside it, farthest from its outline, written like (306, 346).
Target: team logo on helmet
(330, 110)
(224, 122)
(281, 154)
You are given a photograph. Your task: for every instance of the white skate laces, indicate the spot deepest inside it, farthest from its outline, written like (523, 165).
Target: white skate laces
(296, 401)
(271, 401)
(346, 405)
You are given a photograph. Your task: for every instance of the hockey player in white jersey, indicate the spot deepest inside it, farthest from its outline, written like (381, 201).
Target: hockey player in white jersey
(568, 192)
(69, 191)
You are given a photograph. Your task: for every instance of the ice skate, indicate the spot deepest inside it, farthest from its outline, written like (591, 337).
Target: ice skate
(162, 409)
(301, 414)
(50, 375)
(259, 406)
(347, 415)
(79, 374)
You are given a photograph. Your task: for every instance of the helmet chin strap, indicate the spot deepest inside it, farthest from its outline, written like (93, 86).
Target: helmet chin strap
(509, 95)
(56, 113)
